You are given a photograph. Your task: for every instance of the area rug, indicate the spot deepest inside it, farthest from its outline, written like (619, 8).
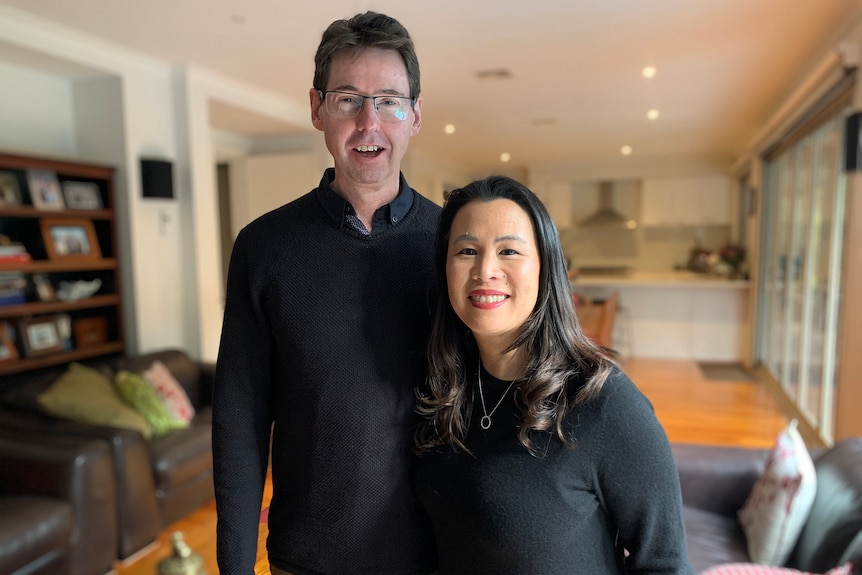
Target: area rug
(724, 371)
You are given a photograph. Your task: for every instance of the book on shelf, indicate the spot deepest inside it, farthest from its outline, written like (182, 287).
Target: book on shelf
(12, 298)
(13, 288)
(14, 253)
(12, 280)
(15, 258)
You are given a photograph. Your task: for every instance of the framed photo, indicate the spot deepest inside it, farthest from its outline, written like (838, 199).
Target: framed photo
(40, 336)
(70, 239)
(45, 190)
(82, 196)
(10, 191)
(8, 351)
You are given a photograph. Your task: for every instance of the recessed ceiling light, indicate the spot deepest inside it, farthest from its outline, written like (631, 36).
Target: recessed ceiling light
(626, 150)
(494, 74)
(649, 72)
(449, 128)
(505, 157)
(652, 114)
(544, 121)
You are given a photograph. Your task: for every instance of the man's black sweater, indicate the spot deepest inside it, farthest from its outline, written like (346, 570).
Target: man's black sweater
(325, 333)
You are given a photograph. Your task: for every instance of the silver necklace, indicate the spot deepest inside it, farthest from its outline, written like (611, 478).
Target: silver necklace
(485, 422)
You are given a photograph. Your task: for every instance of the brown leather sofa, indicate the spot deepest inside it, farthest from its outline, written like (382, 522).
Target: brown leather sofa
(158, 480)
(56, 505)
(716, 481)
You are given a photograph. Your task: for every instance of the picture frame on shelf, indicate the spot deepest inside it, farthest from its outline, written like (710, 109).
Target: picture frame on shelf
(10, 189)
(40, 336)
(70, 239)
(82, 195)
(8, 351)
(45, 190)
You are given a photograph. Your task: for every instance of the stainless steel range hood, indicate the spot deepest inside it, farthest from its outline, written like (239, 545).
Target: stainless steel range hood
(607, 216)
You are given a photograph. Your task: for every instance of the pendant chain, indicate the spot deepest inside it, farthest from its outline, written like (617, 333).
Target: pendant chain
(485, 422)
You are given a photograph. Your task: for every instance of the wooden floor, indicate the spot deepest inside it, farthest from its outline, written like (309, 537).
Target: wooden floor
(691, 408)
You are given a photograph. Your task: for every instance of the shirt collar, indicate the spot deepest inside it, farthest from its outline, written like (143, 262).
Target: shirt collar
(337, 207)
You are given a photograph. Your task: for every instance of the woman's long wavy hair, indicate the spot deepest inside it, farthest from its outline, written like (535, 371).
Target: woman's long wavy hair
(558, 353)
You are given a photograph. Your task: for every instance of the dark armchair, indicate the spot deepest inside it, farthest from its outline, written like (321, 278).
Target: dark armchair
(716, 481)
(56, 505)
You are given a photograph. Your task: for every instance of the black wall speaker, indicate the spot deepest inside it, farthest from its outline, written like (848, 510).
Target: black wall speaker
(853, 143)
(157, 178)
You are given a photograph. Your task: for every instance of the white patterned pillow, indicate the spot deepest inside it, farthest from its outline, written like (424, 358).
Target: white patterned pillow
(755, 569)
(170, 391)
(777, 507)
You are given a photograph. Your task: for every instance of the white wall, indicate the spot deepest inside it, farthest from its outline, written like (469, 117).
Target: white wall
(199, 87)
(262, 183)
(100, 103)
(36, 112)
(430, 176)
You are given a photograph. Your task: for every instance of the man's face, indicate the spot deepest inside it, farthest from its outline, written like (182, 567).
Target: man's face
(367, 150)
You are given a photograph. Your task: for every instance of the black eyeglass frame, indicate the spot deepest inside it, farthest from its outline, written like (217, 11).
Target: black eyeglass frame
(373, 99)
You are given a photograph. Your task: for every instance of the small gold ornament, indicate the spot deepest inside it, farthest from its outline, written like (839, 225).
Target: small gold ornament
(184, 561)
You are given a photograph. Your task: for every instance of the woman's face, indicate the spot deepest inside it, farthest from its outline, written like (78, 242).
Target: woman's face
(492, 269)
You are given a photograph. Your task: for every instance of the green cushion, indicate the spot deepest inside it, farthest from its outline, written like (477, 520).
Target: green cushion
(140, 395)
(84, 395)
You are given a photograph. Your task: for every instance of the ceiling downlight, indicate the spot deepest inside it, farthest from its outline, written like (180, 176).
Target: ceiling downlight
(494, 74)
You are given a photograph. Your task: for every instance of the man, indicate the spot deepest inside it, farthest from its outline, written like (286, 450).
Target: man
(325, 332)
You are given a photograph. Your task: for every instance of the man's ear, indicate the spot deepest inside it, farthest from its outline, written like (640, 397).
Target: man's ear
(316, 102)
(417, 116)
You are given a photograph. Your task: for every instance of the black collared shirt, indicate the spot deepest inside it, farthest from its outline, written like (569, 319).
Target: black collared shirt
(385, 217)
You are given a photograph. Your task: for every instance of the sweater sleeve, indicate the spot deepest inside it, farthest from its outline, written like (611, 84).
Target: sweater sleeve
(639, 482)
(241, 416)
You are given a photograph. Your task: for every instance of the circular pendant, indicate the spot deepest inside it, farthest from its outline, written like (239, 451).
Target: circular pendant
(485, 422)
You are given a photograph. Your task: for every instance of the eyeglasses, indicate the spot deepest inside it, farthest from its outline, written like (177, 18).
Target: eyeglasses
(348, 105)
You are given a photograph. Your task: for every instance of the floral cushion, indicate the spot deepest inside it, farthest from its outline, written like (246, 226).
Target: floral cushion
(755, 569)
(779, 503)
(170, 391)
(135, 390)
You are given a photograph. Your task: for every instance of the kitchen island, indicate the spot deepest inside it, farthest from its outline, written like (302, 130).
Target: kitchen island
(676, 314)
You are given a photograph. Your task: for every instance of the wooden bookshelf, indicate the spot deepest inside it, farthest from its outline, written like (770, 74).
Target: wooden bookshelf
(80, 208)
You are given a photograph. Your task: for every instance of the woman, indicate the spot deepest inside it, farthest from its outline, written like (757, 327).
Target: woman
(538, 454)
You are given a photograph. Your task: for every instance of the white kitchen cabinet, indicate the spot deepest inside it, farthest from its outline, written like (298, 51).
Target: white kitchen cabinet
(585, 200)
(676, 315)
(687, 201)
(557, 197)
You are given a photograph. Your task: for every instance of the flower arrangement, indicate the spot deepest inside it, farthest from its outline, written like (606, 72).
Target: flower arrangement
(733, 255)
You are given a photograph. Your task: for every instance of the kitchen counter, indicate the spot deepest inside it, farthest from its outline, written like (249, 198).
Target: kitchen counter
(675, 315)
(658, 279)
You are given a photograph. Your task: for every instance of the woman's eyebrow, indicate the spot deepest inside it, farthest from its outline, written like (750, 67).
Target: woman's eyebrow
(511, 237)
(472, 238)
(465, 238)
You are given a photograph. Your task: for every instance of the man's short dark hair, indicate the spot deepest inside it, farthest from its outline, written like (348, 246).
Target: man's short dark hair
(367, 30)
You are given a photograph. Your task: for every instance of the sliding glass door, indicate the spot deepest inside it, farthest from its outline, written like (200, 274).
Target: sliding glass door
(803, 206)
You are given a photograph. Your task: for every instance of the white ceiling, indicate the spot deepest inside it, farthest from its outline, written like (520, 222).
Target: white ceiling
(575, 90)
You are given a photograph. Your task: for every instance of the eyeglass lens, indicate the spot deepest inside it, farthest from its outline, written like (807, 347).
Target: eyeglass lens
(348, 105)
